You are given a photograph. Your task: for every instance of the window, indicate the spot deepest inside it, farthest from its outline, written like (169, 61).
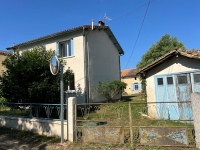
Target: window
(169, 80)
(65, 48)
(182, 79)
(196, 78)
(136, 87)
(71, 82)
(160, 81)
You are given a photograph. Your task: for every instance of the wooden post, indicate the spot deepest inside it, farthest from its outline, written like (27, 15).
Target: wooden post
(130, 124)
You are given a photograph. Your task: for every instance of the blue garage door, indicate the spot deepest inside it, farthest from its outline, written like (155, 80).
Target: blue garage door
(176, 88)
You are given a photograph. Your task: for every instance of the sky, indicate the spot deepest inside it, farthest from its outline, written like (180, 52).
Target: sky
(23, 20)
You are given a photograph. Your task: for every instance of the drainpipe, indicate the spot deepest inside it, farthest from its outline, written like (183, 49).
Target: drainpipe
(120, 73)
(120, 69)
(85, 66)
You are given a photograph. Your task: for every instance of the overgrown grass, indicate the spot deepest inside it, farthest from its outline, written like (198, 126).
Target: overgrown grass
(117, 114)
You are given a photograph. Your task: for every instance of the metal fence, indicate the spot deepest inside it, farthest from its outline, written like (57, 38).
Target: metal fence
(161, 123)
(32, 110)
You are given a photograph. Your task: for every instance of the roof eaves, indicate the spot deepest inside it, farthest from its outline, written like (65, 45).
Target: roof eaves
(4, 53)
(158, 61)
(45, 37)
(106, 28)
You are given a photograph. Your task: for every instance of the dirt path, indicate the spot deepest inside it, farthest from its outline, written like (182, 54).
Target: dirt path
(14, 139)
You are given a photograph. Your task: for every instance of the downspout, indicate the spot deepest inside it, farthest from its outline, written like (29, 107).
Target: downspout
(85, 66)
(120, 73)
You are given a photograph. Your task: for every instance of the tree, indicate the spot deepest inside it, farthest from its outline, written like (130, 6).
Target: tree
(163, 46)
(110, 89)
(28, 77)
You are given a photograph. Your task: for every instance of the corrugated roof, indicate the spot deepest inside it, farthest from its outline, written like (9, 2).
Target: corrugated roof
(79, 28)
(128, 73)
(193, 54)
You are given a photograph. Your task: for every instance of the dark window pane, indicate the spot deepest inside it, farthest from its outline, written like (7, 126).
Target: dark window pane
(169, 80)
(136, 86)
(71, 82)
(160, 81)
(182, 79)
(196, 77)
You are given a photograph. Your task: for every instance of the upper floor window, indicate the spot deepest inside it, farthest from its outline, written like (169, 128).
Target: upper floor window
(65, 48)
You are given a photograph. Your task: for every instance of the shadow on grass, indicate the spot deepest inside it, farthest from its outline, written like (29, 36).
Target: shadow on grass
(133, 98)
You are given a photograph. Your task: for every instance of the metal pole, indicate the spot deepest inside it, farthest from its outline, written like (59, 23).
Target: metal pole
(130, 124)
(61, 102)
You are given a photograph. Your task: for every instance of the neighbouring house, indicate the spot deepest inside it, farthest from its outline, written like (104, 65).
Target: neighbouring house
(133, 82)
(172, 78)
(3, 56)
(91, 51)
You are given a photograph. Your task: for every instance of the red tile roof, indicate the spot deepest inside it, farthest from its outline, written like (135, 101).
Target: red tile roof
(128, 73)
(193, 54)
(4, 53)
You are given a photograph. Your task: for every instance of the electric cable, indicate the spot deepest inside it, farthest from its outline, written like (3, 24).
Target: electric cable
(138, 34)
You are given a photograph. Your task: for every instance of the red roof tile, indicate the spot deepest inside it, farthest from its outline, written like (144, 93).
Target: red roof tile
(193, 54)
(128, 73)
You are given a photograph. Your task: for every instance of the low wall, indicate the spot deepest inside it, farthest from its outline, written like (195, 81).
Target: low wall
(40, 126)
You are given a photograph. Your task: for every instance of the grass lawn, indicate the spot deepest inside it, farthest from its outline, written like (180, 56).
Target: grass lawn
(117, 113)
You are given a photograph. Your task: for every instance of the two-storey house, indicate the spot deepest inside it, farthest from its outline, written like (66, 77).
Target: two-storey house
(91, 51)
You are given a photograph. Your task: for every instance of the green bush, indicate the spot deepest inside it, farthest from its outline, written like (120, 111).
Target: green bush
(110, 89)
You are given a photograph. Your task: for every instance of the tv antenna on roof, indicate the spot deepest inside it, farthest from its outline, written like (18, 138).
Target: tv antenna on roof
(106, 18)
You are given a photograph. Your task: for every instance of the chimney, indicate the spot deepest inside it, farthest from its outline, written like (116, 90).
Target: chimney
(101, 23)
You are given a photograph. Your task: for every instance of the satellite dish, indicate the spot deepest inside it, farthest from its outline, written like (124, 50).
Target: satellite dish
(54, 65)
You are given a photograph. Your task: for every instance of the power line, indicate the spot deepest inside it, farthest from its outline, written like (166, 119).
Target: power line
(138, 34)
(129, 13)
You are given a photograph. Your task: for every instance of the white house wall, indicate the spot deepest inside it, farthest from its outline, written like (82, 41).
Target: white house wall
(103, 62)
(173, 65)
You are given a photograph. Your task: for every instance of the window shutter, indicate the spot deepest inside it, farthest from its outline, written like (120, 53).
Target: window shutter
(132, 86)
(139, 86)
(72, 47)
(57, 49)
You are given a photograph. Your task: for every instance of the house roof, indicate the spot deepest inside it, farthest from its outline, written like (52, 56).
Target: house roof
(4, 53)
(128, 73)
(193, 54)
(79, 28)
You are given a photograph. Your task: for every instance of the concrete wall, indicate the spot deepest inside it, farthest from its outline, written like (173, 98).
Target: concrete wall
(103, 62)
(46, 127)
(129, 81)
(173, 65)
(196, 113)
(40, 126)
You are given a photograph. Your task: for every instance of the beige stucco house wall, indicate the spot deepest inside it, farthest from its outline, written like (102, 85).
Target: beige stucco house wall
(96, 58)
(133, 82)
(129, 81)
(173, 65)
(176, 64)
(3, 56)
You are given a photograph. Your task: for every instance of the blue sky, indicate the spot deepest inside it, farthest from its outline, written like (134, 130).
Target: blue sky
(23, 20)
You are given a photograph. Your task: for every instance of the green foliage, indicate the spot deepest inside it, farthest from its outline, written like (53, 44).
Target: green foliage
(28, 77)
(2, 99)
(163, 46)
(110, 89)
